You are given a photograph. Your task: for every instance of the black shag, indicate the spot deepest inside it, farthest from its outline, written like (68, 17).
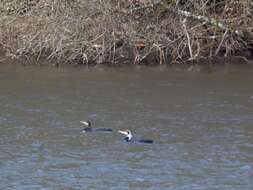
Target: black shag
(89, 128)
(129, 137)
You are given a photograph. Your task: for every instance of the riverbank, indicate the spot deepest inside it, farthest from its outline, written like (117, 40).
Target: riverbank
(125, 32)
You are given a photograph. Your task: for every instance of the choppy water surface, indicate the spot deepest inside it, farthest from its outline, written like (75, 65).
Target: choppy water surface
(201, 122)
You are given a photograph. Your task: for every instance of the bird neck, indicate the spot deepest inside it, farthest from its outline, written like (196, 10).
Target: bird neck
(129, 137)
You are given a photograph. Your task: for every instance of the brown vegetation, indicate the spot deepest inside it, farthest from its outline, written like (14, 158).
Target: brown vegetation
(126, 31)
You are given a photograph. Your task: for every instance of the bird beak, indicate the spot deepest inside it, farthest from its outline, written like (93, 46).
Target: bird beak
(122, 132)
(85, 123)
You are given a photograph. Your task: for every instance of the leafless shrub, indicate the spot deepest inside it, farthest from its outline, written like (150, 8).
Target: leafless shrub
(143, 31)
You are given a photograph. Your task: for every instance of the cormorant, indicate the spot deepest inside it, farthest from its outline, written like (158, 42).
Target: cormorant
(89, 128)
(129, 137)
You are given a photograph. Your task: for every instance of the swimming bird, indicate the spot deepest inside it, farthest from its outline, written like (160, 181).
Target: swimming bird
(89, 128)
(129, 137)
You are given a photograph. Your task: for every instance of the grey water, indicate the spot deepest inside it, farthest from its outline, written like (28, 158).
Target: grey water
(201, 121)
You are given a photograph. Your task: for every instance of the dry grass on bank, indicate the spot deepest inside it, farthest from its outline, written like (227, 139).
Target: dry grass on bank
(125, 31)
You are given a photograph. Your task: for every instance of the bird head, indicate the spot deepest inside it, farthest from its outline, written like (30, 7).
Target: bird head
(87, 123)
(127, 133)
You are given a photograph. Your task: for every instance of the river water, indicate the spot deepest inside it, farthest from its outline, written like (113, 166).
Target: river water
(201, 121)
